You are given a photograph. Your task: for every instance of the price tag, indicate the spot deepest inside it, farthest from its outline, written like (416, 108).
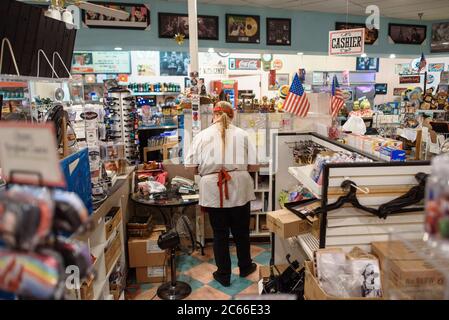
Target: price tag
(28, 153)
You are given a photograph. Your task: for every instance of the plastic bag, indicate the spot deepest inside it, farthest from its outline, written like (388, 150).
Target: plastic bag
(355, 125)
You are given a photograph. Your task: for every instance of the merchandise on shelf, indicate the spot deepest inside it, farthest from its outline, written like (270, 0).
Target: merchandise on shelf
(333, 157)
(154, 87)
(121, 120)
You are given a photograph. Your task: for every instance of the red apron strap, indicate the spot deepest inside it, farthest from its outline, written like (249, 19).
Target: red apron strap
(223, 178)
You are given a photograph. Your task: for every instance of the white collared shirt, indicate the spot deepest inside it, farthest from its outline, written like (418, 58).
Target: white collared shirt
(206, 153)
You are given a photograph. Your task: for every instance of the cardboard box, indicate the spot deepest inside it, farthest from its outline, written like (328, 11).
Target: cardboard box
(144, 252)
(152, 274)
(405, 270)
(414, 273)
(114, 217)
(286, 224)
(388, 250)
(264, 271)
(313, 290)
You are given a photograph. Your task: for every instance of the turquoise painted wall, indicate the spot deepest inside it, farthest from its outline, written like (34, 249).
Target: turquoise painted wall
(309, 32)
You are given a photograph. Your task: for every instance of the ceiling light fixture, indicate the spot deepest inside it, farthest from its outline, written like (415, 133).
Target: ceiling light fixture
(300, 53)
(211, 50)
(363, 55)
(118, 49)
(392, 56)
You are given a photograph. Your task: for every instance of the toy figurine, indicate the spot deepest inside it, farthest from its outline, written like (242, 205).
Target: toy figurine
(272, 107)
(441, 100)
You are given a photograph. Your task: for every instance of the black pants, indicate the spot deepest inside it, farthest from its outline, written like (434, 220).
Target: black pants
(236, 220)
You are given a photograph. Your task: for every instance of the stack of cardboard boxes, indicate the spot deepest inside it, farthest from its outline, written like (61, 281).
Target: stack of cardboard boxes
(147, 258)
(406, 275)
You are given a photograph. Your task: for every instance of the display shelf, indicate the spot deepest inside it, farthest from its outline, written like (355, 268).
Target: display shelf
(302, 174)
(155, 93)
(14, 99)
(158, 127)
(430, 111)
(309, 244)
(98, 290)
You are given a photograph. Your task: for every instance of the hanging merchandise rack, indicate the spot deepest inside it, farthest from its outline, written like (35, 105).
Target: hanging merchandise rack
(381, 196)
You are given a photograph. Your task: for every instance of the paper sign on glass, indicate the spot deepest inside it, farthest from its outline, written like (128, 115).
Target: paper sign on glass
(28, 152)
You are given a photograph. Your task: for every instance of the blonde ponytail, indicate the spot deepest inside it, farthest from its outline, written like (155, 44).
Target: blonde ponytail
(224, 110)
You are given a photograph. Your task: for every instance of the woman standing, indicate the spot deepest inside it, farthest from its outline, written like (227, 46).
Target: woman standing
(222, 155)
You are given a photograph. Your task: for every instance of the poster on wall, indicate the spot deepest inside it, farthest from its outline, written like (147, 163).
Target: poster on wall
(444, 77)
(101, 62)
(242, 28)
(279, 31)
(435, 67)
(174, 63)
(410, 79)
(244, 64)
(371, 35)
(403, 69)
(172, 23)
(440, 37)
(145, 63)
(367, 64)
(347, 42)
(397, 92)
(280, 80)
(139, 17)
(407, 33)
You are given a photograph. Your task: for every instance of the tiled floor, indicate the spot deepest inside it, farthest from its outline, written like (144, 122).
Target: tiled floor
(197, 271)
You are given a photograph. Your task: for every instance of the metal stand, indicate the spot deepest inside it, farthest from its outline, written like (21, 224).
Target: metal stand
(173, 290)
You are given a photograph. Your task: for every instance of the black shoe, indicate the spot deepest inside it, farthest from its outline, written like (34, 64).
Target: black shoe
(223, 280)
(247, 271)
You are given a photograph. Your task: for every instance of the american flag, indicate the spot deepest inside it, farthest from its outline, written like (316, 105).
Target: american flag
(337, 100)
(296, 101)
(422, 62)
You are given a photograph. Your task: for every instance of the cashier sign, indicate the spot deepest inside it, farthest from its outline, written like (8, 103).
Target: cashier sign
(347, 42)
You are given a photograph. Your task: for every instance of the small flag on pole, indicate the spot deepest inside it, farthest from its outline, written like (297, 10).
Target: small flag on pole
(337, 100)
(422, 63)
(296, 101)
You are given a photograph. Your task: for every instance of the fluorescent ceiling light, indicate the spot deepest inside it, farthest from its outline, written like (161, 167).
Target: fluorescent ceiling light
(211, 50)
(363, 55)
(392, 56)
(118, 49)
(300, 53)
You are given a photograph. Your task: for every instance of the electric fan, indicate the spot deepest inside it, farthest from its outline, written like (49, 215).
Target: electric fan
(181, 236)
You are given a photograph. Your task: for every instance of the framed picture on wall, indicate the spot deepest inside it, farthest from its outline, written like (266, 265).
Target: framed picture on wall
(279, 31)
(242, 28)
(440, 37)
(371, 35)
(367, 64)
(281, 80)
(172, 23)
(174, 63)
(407, 33)
(139, 17)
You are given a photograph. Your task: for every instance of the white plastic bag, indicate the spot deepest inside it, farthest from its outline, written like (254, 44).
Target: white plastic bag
(355, 125)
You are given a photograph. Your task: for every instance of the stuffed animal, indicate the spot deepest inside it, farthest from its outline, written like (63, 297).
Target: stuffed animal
(442, 102)
(428, 101)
